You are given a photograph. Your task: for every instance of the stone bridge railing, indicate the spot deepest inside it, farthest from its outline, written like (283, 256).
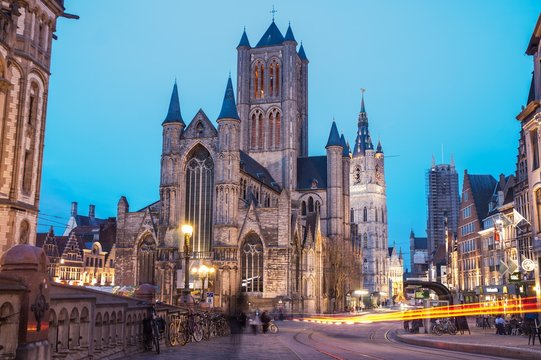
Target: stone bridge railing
(40, 319)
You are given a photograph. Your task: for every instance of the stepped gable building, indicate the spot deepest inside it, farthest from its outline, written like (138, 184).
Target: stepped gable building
(26, 33)
(369, 209)
(477, 191)
(271, 220)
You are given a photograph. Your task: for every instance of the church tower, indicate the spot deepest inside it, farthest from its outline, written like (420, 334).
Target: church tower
(227, 172)
(26, 33)
(272, 102)
(369, 208)
(173, 126)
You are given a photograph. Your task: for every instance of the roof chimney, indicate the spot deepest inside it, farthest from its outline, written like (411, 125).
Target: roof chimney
(91, 210)
(74, 208)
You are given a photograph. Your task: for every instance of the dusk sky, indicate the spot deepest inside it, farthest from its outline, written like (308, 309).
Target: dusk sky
(438, 74)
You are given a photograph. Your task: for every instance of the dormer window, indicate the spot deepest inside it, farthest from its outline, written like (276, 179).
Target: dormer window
(314, 184)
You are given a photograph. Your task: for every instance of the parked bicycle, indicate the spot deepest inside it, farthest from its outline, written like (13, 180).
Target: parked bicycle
(443, 326)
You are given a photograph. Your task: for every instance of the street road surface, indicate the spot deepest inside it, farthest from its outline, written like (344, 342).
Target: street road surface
(303, 340)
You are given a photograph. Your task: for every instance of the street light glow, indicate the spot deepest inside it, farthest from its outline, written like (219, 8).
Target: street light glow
(187, 229)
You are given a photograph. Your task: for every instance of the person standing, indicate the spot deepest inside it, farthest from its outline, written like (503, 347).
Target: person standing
(500, 325)
(265, 319)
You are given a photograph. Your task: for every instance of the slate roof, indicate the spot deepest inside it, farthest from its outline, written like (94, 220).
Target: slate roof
(289, 34)
(420, 243)
(272, 37)
(83, 220)
(251, 167)
(302, 54)
(229, 108)
(531, 94)
(334, 138)
(345, 147)
(482, 187)
(174, 115)
(244, 40)
(309, 169)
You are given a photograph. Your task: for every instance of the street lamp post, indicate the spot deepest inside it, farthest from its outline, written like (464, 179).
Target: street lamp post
(203, 272)
(188, 231)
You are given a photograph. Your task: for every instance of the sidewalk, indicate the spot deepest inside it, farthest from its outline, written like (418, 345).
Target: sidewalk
(481, 341)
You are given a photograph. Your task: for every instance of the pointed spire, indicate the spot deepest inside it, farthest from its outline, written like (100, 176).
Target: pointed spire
(289, 34)
(173, 115)
(363, 110)
(271, 37)
(229, 108)
(379, 149)
(345, 151)
(363, 141)
(51, 232)
(302, 54)
(334, 138)
(244, 39)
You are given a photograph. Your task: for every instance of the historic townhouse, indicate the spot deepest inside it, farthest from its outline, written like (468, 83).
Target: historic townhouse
(477, 192)
(530, 201)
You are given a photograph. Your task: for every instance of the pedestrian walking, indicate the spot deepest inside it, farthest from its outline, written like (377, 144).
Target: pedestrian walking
(265, 320)
(255, 321)
(242, 321)
(500, 328)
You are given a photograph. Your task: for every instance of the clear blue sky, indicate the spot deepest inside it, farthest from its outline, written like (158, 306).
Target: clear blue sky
(450, 73)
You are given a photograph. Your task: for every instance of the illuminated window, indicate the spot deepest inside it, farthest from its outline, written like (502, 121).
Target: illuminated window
(259, 80)
(252, 264)
(199, 197)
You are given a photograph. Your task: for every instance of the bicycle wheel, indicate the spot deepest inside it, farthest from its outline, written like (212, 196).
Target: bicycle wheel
(437, 329)
(172, 335)
(183, 336)
(273, 328)
(452, 329)
(197, 334)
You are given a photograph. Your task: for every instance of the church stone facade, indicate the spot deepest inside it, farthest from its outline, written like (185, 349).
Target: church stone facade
(272, 221)
(26, 34)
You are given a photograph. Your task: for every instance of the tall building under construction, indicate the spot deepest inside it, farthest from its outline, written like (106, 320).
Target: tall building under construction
(443, 204)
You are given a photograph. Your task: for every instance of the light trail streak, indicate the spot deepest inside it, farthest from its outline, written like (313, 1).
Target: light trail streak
(514, 306)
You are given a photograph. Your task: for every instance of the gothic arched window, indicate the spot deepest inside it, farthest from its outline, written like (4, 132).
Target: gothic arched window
(251, 254)
(303, 208)
(365, 214)
(365, 241)
(318, 206)
(256, 131)
(382, 215)
(24, 232)
(146, 257)
(259, 80)
(274, 78)
(376, 214)
(277, 130)
(199, 197)
(310, 204)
